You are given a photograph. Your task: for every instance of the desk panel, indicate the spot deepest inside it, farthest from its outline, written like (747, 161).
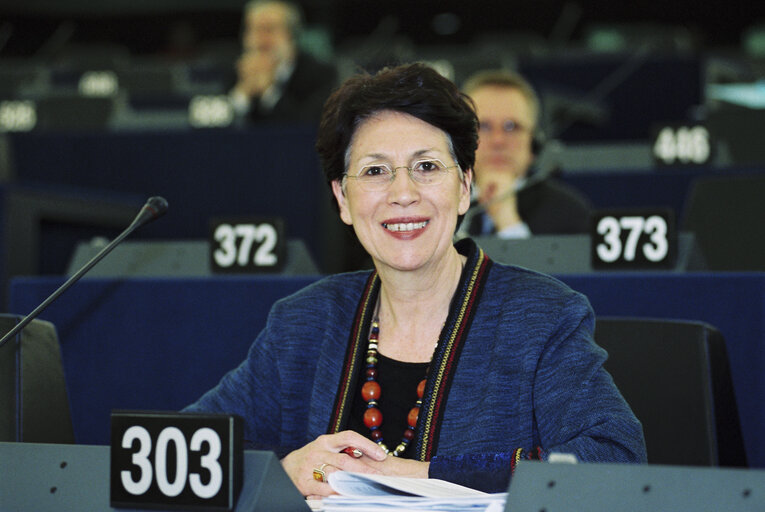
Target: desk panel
(149, 343)
(160, 343)
(270, 170)
(663, 187)
(65, 477)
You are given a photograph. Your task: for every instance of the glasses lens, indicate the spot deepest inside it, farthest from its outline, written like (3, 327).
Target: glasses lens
(429, 172)
(375, 176)
(511, 127)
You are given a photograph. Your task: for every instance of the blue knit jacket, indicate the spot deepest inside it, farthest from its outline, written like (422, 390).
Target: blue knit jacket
(529, 379)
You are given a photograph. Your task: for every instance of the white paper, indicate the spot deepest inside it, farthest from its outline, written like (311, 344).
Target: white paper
(414, 503)
(363, 484)
(360, 492)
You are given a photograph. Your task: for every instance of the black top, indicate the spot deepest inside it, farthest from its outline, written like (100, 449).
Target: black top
(398, 382)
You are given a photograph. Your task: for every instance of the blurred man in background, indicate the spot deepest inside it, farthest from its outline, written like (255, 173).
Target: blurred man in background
(513, 201)
(276, 80)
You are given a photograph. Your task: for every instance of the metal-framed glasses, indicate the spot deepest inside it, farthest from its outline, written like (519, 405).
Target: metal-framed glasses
(428, 171)
(509, 127)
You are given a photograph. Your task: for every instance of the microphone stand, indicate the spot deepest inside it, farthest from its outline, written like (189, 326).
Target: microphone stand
(478, 208)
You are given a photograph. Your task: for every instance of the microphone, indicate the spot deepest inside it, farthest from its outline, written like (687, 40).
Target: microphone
(478, 208)
(154, 208)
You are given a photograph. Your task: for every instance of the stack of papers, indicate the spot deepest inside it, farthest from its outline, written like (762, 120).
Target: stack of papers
(370, 493)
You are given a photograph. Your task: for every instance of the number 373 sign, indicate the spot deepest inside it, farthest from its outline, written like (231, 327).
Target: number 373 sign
(633, 239)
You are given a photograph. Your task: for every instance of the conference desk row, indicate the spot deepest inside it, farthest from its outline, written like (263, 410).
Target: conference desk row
(85, 185)
(52, 478)
(159, 343)
(261, 170)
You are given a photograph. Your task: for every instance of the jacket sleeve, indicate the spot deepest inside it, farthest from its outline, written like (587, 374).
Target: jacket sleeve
(577, 410)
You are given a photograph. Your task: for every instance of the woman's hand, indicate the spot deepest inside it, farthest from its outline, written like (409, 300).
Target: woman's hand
(498, 196)
(325, 453)
(256, 73)
(395, 466)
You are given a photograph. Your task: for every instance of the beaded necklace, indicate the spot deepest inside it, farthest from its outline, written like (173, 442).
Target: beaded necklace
(371, 392)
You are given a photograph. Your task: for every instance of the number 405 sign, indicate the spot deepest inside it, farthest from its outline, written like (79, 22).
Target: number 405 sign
(634, 239)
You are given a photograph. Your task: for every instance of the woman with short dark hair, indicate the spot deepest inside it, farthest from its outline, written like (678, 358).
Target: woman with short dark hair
(437, 363)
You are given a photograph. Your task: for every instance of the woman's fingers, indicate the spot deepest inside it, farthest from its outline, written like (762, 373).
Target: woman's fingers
(353, 441)
(310, 466)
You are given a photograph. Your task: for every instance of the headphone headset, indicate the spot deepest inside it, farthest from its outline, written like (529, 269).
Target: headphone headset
(538, 141)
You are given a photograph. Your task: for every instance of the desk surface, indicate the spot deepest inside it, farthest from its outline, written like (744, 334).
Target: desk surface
(48, 477)
(57, 477)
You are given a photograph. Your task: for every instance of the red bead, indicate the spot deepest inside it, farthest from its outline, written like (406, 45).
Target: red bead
(371, 373)
(409, 434)
(421, 388)
(412, 417)
(375, 434)
(370, 390)
(373, 417)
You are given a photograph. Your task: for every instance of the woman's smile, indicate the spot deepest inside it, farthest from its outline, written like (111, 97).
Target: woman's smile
(405, 226)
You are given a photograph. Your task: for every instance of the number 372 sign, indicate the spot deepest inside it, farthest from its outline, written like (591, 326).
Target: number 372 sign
(247, 245)
(634, 239)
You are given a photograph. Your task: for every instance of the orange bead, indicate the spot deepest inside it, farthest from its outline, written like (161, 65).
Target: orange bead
(373, 417)
(421, 388)
(370, 390)
(412, 417)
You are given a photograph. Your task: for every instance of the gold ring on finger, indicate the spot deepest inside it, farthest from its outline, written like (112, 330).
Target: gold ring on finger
(319, 474)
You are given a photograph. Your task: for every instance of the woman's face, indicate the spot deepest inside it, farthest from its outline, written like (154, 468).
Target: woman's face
(406, 225)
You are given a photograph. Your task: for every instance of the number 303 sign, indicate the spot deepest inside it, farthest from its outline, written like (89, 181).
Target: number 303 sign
(634, 239)
(173, 459)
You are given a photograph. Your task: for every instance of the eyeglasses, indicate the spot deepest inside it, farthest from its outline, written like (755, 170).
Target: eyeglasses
(509, 127)
(376, 177)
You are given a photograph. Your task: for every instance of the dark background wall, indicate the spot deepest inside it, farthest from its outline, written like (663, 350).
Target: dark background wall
(33, 26)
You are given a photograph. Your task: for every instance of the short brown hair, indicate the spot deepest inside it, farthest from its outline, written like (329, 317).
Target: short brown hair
(293, 14)
(414, 89)
(507, 79)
